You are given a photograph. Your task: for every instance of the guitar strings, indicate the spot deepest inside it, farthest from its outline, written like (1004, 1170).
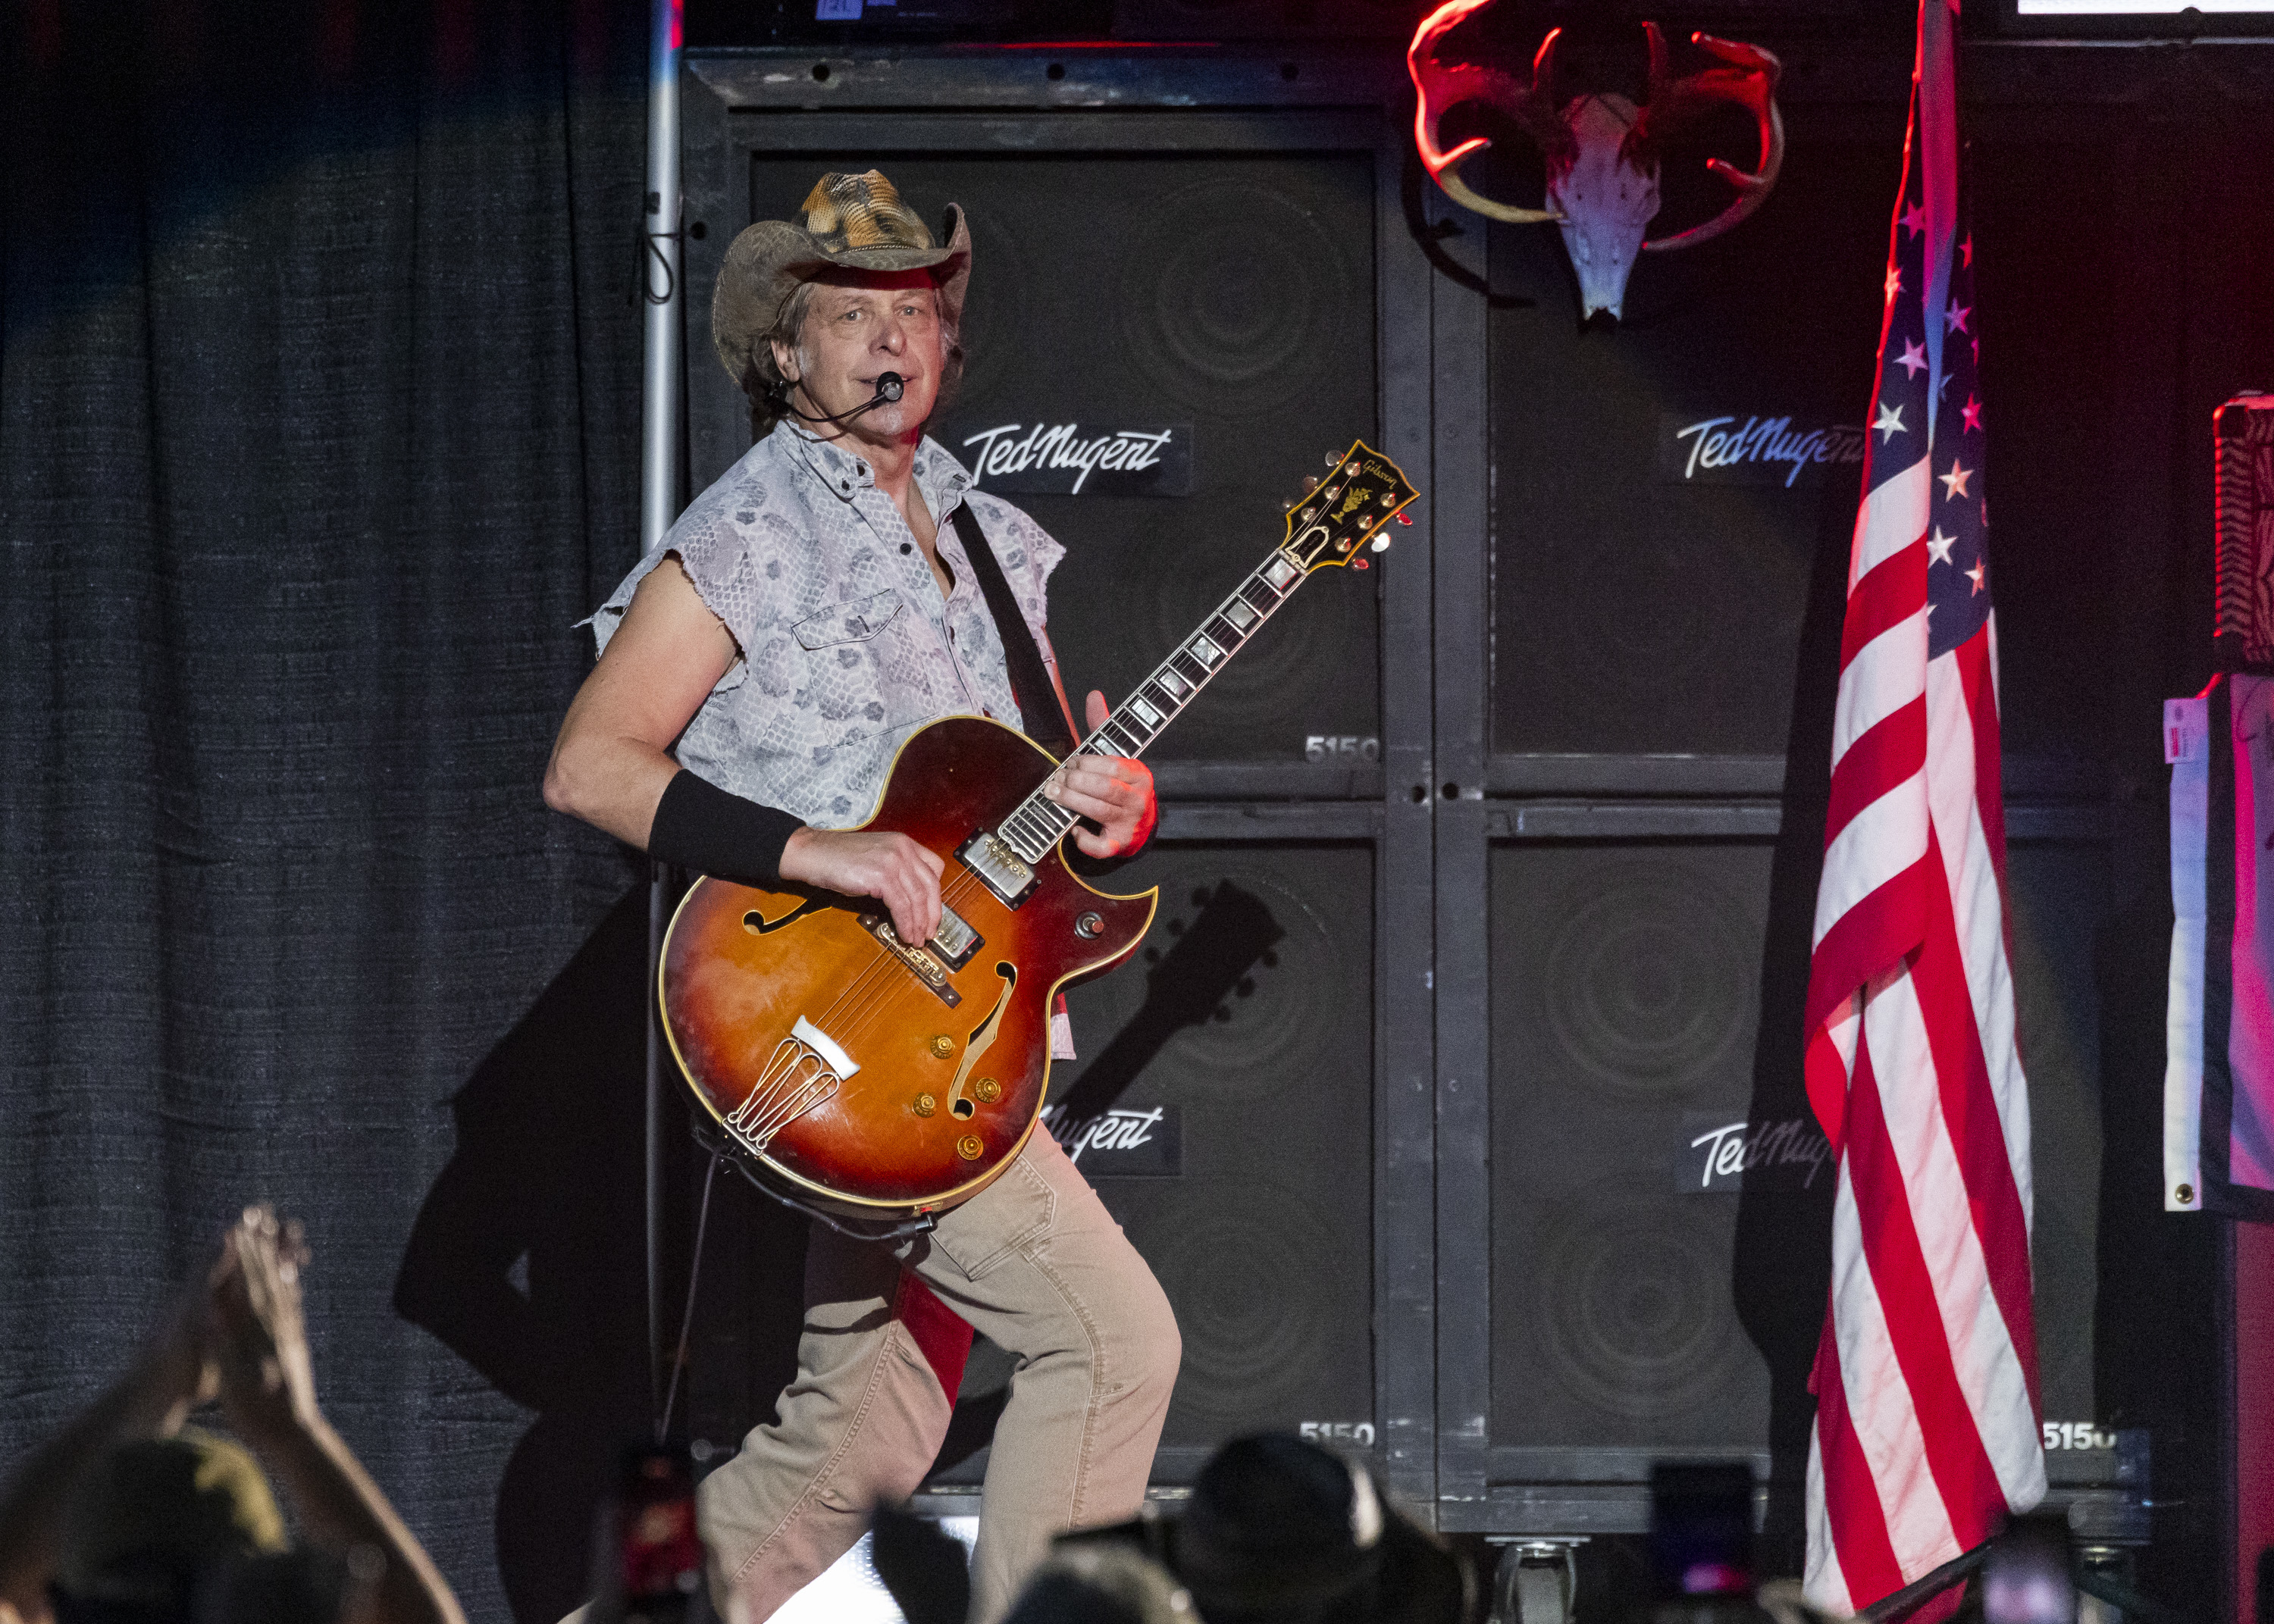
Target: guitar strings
(865, 995)
(956, 887)
(852, 1010)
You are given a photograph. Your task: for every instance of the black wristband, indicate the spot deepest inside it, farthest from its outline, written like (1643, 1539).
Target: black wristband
(702, 827)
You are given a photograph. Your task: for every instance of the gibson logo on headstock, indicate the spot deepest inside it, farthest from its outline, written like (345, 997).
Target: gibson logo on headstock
(1332, 520)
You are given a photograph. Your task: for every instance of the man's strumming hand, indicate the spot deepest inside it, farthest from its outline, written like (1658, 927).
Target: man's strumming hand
(892, 868)
(1115, 791)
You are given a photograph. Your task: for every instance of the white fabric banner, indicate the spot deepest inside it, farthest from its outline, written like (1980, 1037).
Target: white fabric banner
(2187, 746)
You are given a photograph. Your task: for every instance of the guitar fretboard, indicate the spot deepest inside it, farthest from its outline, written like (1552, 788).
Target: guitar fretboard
(1040, 823)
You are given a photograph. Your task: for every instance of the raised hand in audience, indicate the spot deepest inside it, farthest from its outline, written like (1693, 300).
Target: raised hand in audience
(268, 1384)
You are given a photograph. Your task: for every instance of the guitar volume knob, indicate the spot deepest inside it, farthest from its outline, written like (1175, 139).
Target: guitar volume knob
(925, 1105)
(970, 1147)
(987, 1091)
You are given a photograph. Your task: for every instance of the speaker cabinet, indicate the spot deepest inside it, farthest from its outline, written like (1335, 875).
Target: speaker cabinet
(1660, 1195)
(1652, 533)
(1626, 1000)
(1227, 298)
(1204, 247)
(1222, 1105)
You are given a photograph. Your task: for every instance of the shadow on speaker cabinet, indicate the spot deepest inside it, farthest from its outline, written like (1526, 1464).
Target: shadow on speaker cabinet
(1223, 1108)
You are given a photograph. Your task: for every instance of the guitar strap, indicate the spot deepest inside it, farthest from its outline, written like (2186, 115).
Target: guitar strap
(1048, 722)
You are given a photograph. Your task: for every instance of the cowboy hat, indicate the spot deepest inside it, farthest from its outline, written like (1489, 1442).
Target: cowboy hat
(853, 222)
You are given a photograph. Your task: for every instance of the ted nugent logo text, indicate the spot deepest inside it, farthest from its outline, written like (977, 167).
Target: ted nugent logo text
(1725, 1155)
(1753, 450)
(1146, 1142)
(1062, 459)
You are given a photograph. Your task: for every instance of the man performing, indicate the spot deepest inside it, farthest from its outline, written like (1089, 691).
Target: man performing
(803, 616)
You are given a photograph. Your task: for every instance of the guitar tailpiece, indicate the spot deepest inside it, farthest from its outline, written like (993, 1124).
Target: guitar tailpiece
(796, 1079)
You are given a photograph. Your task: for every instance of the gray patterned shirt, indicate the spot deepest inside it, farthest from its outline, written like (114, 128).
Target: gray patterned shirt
(847, 645)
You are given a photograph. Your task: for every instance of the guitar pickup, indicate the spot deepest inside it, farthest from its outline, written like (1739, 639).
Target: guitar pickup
(998, 868)
(922, 961)
(955, 940)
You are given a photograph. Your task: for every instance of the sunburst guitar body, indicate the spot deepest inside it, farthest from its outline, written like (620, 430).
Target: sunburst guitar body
(865, 1078)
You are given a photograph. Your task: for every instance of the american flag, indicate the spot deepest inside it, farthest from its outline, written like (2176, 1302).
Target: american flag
(1927, 1421)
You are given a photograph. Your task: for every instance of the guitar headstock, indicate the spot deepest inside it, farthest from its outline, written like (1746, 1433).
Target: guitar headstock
(1333, 523)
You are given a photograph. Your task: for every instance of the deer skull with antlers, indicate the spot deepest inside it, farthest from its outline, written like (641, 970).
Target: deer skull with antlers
(1601, 150)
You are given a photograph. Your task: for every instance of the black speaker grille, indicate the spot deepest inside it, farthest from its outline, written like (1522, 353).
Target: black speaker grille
(1250, 1011)
(1625, 998)
(1648, 975)
(1230, 982)
(2057, 897)
(1234, 295)
(1632, 1313)
(1245, 1261)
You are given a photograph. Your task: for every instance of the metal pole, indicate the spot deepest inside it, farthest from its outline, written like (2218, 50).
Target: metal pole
(659, 431)
(660, 408)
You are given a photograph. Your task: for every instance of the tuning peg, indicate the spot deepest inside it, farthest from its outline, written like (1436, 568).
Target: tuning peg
(1310, 484)
(1333, 457)
(1402, 519)
(1381, 544)
(1358, 563)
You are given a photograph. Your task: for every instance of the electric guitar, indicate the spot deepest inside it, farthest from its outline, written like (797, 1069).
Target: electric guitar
(864, 1077)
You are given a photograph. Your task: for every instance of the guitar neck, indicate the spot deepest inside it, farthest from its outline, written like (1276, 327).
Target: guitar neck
(1039, 822)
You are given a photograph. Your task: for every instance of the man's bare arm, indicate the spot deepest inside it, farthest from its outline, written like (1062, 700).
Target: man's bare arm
(611, 763)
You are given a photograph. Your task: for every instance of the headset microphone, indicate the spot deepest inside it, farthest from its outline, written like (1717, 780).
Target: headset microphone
(890, 387)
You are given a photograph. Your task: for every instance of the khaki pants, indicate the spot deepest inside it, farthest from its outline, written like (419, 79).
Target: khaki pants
(1036, 1265)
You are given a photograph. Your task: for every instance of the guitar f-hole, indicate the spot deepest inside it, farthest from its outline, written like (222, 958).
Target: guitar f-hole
(982, 1038)
(758, 925)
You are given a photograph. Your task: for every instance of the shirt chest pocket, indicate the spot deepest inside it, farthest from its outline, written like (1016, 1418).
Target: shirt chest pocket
(857, 620)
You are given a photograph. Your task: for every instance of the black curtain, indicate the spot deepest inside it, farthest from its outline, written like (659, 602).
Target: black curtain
(318, 408)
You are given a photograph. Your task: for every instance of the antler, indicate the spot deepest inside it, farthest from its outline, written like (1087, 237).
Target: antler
(1531, 107)
(1749, 80)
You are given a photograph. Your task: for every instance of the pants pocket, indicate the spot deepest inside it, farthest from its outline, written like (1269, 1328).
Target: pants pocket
(1014, 1211)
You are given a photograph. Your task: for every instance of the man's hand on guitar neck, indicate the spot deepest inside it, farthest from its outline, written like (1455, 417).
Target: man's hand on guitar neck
(892, 868)
(1115, 791)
